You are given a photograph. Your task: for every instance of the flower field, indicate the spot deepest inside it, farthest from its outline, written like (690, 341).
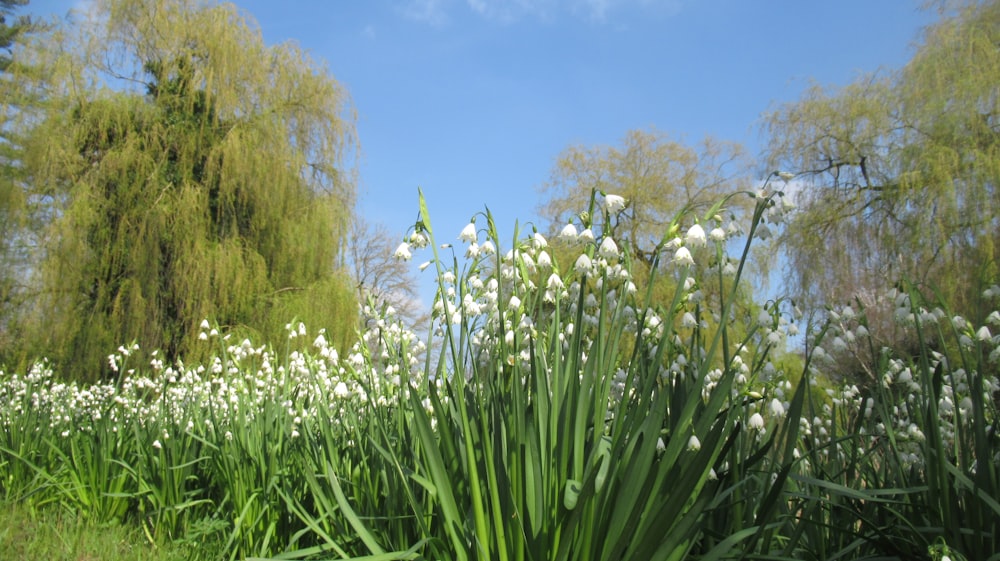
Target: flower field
(557, 409)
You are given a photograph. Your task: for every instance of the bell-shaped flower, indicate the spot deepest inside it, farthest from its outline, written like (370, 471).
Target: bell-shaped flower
(717, 235)
(608, 249)
(555, 282)
(694, 444)
(613, 203)
(583, 264)
(763, 232)
(756, 422)
(419, 240)
(695, 236)
(568, 232)
(683, 256)
(544, 259)
(587, 235)
(468, 234)
(776, 408)
(688, 320)
(539, 241)
(402, 252)
(984, 334)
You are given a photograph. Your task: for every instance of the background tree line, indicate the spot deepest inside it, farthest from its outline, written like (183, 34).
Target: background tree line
(154, 174)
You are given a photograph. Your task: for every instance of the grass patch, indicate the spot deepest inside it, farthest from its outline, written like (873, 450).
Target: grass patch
(52, 534)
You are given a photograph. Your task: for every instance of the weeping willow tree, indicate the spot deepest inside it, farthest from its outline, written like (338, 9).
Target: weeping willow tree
(200, 175)
(899, 174)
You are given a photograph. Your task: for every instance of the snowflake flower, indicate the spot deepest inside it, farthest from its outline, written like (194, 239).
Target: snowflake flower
(403, 252)
(695, 236)
(683, 256)
(468, 234)
(568, 232)
(614, 203)
(608, 249)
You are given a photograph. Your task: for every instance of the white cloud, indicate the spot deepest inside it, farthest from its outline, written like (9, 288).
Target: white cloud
(436, 12)
(426, 11)
(511, 10)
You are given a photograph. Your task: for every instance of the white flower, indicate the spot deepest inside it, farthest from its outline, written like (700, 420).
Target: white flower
(157, 445)
(424, 265)
(418, 240)
(756, 422)
(468, 233)
(583, 264)
(717, 235)
(695, 236)
(994, 317)
(473, 251)
(587, 235)
(487, 248)
(403, 252)
(786, 175)
(544, 259)
(539, 241)
(683, 256)
(694, 444)
(608, 249)
(688, 320)
(204, 324)
(341, 390)
(984, 334)
(613, 203)
(568, 232)
(555, 282)
(776, 408)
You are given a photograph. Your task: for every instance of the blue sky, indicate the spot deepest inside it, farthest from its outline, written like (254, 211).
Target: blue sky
(472, 100)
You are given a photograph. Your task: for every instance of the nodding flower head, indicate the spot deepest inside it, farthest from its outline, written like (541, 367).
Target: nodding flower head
(695, 236)
(468, 234)
(683, 256)
(614, 203)
(402, 252)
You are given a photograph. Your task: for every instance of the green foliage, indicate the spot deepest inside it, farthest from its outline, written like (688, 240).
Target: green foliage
(203, 196)
(534, 431)
(10, 33)
(896, 174)
(18, 101)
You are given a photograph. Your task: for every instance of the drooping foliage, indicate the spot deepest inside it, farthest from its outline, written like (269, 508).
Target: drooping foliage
(898, 173)
(11, 32)
(18, 101)
(216, 188)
